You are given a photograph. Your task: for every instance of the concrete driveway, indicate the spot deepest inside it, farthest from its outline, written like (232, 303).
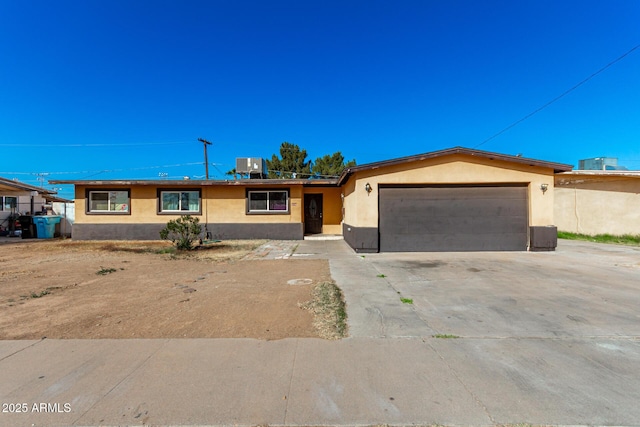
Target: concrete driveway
(544, 337)
(581, 290)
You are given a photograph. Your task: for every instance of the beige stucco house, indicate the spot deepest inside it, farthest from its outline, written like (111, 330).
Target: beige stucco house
(457, 199)
(598, 202)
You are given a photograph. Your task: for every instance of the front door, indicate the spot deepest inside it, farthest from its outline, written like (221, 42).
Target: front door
(312, 213)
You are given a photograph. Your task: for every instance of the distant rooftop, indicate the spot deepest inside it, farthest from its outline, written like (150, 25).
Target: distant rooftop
(600, 164)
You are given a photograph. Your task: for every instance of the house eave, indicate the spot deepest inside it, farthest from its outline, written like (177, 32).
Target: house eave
(204, 183)
(557, 167)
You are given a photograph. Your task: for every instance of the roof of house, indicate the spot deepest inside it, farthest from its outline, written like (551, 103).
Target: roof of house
(557, 167)
(11, 185)
(204, 183)
(631, 174)
(581, 176)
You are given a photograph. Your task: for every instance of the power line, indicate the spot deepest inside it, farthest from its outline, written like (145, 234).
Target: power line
(134, 144)
(104, 170)
(517, 122)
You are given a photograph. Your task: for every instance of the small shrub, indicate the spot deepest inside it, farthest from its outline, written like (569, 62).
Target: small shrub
(182, 231)
(406, 300)
(41, 294)
(104, 271)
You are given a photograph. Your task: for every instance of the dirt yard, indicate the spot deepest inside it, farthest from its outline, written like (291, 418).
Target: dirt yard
(66, 289)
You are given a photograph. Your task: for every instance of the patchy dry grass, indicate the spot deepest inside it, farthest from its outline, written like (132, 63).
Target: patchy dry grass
(228, 250)
(627, 239)
(329, 311)
(445, 336)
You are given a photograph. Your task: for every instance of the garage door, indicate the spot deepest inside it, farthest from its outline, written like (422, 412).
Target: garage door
(467, 218)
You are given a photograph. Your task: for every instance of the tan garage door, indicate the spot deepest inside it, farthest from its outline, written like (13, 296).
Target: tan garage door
(453, 218)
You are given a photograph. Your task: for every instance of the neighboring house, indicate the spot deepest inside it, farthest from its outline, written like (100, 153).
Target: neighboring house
(18, 198)
(598, 202)
(457, 199)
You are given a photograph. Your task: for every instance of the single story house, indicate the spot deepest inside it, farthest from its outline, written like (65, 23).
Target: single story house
(457, 199)
(598, 202)
(18, 198)
(21, 198)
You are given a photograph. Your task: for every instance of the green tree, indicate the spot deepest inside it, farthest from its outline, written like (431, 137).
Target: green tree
(292, 160)
(235, 174)
(330, 165)
(182, 231)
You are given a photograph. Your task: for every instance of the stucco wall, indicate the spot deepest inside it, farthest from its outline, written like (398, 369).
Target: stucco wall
(597, 205)
(331, 208)
(226, 204)
(24, 203)
(361, 209)
(220, 204)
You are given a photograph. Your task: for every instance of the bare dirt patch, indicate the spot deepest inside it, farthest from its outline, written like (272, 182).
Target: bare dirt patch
(66, 289)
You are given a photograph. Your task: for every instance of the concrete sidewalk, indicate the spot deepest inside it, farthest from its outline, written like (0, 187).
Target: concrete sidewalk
(390, 371)
(314, 382)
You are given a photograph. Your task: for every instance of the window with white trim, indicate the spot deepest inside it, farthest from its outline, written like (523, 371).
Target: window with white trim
(179, 201)
(117, 201)
(268, 201)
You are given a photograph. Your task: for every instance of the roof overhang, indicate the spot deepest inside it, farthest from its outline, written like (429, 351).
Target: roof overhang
(557, 167)
(10, 186)
(205, 183)
(584, 176)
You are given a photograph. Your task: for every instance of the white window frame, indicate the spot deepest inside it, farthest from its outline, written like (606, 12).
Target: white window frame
(267, 210)
(109, 202)
(179, 210)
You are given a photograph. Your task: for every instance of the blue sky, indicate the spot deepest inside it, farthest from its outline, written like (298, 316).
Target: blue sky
(123, 89)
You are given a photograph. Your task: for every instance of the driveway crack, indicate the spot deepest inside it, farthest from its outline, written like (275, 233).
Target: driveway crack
(22, 349)
(293, 371)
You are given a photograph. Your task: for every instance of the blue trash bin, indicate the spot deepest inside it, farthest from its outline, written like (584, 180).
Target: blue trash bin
(46, 225)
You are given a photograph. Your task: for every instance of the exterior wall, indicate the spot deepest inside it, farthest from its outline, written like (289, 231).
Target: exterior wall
(223, 212)
(227, 204)
(24, 203)
(67, 211)
(597, 205)
(361, 208)
(331, 208)
(23, 206)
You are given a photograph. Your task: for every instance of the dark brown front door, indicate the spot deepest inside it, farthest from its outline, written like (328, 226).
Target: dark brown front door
(313, 213)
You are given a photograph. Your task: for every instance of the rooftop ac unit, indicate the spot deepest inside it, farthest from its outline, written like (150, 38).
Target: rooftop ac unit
(252, 166)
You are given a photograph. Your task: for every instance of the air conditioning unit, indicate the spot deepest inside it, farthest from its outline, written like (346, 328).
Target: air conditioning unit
(255, 167)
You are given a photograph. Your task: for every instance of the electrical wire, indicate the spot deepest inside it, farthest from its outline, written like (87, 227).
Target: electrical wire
(96, 171)
(135, 144)
(517, 122)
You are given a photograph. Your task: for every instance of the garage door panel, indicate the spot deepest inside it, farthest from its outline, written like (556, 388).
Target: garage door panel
(451, 243)
(455, 225)
(468, 193)
(457, 208)
(453, 218)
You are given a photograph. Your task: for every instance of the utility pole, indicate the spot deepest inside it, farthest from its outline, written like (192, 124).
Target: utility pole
(206, 162)
(41, 178)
